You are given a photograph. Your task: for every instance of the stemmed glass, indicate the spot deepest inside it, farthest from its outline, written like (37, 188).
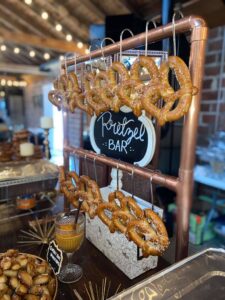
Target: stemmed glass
(69, 238)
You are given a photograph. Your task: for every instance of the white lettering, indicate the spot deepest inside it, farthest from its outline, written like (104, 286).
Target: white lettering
(120, 129)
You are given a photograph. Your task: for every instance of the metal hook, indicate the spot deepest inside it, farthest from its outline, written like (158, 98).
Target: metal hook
(103, 55)
(75, 63)
(146, 34)
(132, 180)
(90, 59)
(117, 176)
(95, 171)
(174, 31)
(85, 164)
(151, 192)
(121, 39)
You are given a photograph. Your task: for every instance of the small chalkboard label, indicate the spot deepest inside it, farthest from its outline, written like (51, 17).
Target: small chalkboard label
(55, 257)
(123, 136)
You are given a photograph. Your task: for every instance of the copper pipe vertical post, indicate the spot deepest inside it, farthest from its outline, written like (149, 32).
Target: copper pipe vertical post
(65, 153)
(189, 137)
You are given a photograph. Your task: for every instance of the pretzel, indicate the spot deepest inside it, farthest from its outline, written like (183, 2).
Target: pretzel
(165, 91)
(121, 219)
(137, 231)
(117, 198)
(110, 207)
(117, 72)
(89, 192)
(132, 207)
(92, 94)
(183, 95)
(56, 96)
(156, 222)
(82, 104)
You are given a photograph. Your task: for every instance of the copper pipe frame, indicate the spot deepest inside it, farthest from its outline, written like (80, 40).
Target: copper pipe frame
(183, 185)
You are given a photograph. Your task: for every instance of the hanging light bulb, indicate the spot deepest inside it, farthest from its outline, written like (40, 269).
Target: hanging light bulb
(32, 53)
(16, 50)
(69, 37)
(28, 2)
(58, 27)
(3, 48)
(46, 56)
(44, 15)
(80, 45)
(61, 57)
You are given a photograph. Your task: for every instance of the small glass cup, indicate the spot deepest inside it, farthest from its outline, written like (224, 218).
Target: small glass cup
(69, 238)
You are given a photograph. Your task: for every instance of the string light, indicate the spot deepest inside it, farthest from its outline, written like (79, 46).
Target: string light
(69, 37)
(87, 51)
(3, 47)
(46, 56)
(16, 50)
(58, 27)
(14, 83)
(32, 53)
(80, 45)
(61, 57)
(2, 94)
(3, 82)
(44, 15)
(28, 2)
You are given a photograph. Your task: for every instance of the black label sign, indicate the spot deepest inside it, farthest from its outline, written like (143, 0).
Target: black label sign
(121, 135)
(55, 257)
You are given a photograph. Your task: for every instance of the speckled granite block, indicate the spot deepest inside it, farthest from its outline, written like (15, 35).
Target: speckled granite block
(117, 248)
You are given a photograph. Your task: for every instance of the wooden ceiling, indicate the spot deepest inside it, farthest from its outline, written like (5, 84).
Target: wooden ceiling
(22, 24)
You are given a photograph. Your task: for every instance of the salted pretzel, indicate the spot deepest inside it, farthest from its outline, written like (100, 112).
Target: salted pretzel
(117, 198)
(89, 192)
(133, 208)
(167, 93)
(107, 219)
(56, 96)
(143, 235)
(117, 74)
(74, 92)
(131, 91)
(156, 222)
(183, 95)
(121, 219)
(149, 233)
(92, 94)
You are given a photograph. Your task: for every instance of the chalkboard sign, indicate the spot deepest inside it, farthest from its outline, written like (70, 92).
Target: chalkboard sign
(123, 136)
(55, 257)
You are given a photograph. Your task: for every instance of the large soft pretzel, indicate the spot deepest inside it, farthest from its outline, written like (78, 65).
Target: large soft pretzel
(183, 95)
(140, 230)
(56, 96)
(93, 95)
(117, 198)
(133, 208)
(121, 219)
(106, 219)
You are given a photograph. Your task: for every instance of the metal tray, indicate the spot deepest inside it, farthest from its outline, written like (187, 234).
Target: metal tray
(201, 276)
(44, 176)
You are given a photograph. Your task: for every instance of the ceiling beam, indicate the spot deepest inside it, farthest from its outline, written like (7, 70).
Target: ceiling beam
(29, 15)
(61, 14)
(40, 42)
(17, 22)
(23, 69)
(115, 7)
(83, 12)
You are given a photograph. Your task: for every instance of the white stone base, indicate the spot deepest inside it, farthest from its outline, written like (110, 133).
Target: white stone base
(116, 247)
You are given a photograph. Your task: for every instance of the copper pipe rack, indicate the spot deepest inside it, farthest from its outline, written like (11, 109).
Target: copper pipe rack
(183, 185)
